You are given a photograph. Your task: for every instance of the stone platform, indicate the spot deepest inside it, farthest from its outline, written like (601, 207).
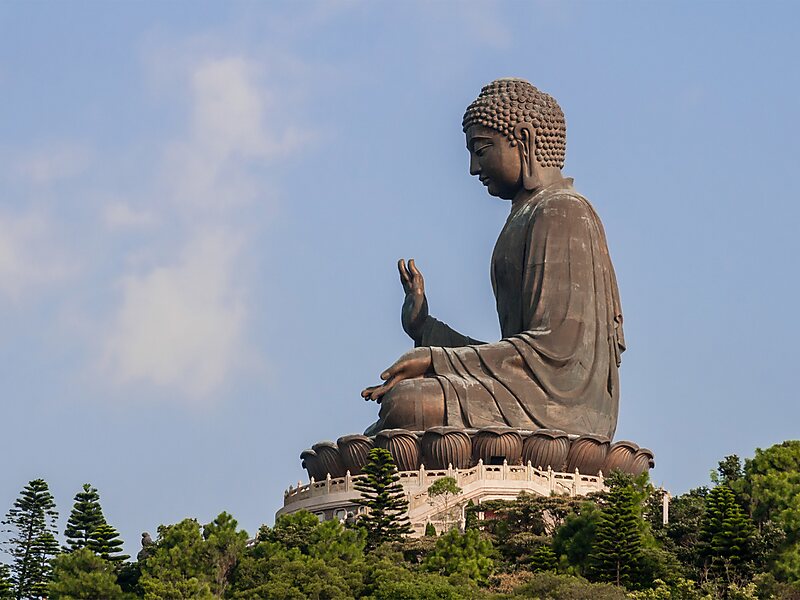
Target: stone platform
(334, 498)
(488, 464)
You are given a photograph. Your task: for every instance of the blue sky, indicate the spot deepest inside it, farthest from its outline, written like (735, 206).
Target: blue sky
(201, 207)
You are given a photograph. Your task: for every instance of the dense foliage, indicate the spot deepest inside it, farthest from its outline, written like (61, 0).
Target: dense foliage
(738, 538)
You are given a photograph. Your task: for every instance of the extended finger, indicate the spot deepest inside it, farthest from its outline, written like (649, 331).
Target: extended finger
(405, 278)
(415, 274)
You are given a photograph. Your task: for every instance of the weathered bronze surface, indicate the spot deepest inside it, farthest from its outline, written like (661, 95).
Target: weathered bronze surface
(494, 445)
(441, 447)
(556, 366)
(446, 446)
(546, 448)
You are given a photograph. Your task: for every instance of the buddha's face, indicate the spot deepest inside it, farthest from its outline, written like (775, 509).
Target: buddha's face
(495, 161)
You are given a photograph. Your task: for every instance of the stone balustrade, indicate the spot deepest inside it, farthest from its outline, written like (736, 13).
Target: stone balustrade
(481, 482)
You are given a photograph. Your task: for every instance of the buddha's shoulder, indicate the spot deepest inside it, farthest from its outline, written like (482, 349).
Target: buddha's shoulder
(563, 201)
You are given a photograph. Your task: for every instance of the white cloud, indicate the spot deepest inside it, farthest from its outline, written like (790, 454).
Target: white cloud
(230, 136)
(181, 325)
(55, 162)
(28, 258)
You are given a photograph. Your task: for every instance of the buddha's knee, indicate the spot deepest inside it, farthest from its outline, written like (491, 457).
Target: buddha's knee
(414, 404)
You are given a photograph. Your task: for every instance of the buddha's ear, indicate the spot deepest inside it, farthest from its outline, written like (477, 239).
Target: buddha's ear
(526, 142)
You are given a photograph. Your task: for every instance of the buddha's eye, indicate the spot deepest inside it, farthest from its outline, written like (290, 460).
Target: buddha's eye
(481, 150)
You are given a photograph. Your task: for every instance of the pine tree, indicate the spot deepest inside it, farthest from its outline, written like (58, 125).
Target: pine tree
(32, 542)
(725, 532)
(617, 548)
(543, 559)
(85, 517)
(387, 518)
(104, 541)
(6, 589)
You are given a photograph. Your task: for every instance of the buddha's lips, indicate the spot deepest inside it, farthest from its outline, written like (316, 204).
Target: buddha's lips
(485, 181)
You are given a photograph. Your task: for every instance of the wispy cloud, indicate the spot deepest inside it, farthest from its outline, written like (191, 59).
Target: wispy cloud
(29, 258)
(53, 162)
(181, 321)
(181, 325)
(230, 136)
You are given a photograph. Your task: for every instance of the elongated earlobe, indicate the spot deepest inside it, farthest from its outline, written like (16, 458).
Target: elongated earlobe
(525, 137)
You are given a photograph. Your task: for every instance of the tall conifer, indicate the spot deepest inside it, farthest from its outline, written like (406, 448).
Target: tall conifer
(387, 518)
(32, 542)
(86, 516)
(617, 548)
(725, 533)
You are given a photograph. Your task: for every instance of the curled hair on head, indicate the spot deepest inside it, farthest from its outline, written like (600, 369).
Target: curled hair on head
(504, 103)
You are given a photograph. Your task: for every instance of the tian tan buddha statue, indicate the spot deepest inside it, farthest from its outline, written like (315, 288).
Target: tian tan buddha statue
(556, 366)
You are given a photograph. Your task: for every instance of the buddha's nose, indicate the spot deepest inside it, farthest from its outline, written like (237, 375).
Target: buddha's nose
(474, 167)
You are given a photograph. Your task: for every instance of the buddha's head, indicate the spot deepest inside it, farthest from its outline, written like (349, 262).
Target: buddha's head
(516, 136)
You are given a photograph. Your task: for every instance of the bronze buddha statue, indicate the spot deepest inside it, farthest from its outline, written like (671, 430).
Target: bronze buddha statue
(556, 366)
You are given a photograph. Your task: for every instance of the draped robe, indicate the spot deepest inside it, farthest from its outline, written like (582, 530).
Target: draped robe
(561, 322)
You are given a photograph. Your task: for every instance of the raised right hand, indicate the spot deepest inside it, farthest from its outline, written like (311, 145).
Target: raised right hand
(415, 305)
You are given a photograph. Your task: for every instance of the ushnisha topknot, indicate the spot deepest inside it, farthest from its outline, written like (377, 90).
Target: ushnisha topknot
(505, 102)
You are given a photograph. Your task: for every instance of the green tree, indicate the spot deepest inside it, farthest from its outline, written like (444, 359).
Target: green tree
(771, 487)
(86, 516)
(291, 531)
(543, 559)
(430, 530)
(442, 492)
(617, 549)
(725, 534)
(225, 544)
(464, 554)
(302, 557)
(269, 571)
(574, 538)
(729, 471)
(386, 519)
(32, 542)
(470, 516)
(178, 568)
(104, 541)
(550, 586)
(681, 535)
(6, 589)
(83, 574)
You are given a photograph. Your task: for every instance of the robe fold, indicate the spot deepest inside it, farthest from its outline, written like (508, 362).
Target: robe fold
(561, 322)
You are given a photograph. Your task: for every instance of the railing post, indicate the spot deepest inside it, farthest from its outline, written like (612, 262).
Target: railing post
(422, 476)
(328, 484)
(505, 469)
(347, 479)
(575, 481)
(480, 469)
(550, 478)
(529, 471)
